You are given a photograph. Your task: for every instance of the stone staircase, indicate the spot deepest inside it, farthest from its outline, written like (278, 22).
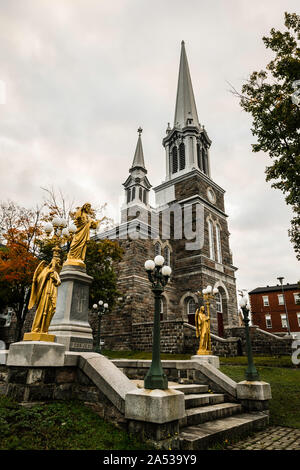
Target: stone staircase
(210, 419)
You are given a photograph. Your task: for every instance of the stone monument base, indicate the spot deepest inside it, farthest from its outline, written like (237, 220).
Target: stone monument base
(36, 354)
(32, 336)
(207, 358)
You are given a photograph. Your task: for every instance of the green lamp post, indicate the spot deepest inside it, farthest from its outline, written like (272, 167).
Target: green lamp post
(251, 373)
(158, 276)
(101, 308)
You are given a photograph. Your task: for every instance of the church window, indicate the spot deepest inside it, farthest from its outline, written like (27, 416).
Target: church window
(218, 239)
(204, 161)
(133, 193)
(219, 303)
(157, 249)
(199, 156)
(144, 197)
(140, 194)
(181, 156)
(211, 240)
(174, 160)
(190, 310)
(167, 256)
(128, 195)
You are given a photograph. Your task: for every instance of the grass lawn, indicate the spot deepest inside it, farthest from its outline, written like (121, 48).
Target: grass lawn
(59, 426)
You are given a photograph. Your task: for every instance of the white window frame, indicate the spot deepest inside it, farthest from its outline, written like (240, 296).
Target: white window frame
(297, 297)
(188, 306)
(280, 298)
(283, 320)
(219, 248)
(268, 318)
(298, 318)
(219, 305)
(265, 299)
(211, 240)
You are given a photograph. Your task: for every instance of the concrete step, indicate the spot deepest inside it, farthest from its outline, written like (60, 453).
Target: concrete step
(211, 412)
(205, 435)
(202, 399)
(190, 389)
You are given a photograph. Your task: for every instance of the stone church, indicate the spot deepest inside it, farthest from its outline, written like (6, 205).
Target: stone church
(188, 226)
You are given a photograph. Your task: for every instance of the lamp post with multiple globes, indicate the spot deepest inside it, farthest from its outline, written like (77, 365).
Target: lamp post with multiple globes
(101, 308)
(158, 275)
(251, 373)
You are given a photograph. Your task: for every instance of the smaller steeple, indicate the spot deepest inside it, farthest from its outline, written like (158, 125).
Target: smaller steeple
(138, 160)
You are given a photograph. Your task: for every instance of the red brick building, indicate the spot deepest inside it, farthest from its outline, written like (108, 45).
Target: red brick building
(274, 308)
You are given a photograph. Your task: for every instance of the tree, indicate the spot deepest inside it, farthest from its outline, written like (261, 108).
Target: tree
(276, 118)
(20, 228)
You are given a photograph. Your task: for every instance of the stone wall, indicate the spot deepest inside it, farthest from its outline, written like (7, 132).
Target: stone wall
(263, 343)
(171, 334)
(43, 384)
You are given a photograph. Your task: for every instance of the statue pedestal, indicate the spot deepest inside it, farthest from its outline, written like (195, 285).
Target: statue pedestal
(207, 359)
(70, 322)
(32, 336)
(36, 354)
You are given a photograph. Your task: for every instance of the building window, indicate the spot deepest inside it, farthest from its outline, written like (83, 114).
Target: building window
(181, 156)
(128, 195)
(298, 318)
(280, 299)
(174, 160)
(167, 256)
(211, 240)
(297, 298)
(219, 303)
(144, 197)
(266, 300)
(218, 238)
(199, 156)
(157, 249)
(140, 194)
(283, 321)
(133, 193)
(204, 160)
(190, 310)
(268, 321)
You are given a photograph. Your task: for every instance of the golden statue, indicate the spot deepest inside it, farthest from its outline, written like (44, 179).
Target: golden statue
(43, 294)
(84, 223)
(202, 323)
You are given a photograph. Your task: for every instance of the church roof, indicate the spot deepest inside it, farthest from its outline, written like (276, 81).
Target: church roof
(185, 101)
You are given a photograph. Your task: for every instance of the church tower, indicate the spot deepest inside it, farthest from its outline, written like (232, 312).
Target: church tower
(188, 183)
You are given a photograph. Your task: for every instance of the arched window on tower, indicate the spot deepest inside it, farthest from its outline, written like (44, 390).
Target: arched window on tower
(218, 241)
(140, 194)
(174, 159)
(128, 195)
(199, 156)
(157, 249)
(204, 167)
(211, 240)
(181, 156)
(144, 197)
(133, 193)
(167, 256)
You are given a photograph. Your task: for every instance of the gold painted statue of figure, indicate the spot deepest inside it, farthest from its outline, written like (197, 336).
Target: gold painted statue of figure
(43, 295)
(202, 324)
(84, 223)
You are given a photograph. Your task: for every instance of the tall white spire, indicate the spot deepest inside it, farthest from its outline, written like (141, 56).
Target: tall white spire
(185, 110)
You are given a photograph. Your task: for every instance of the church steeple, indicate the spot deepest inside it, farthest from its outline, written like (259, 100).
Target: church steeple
(137, 185)
(187, 143)
(185, 110)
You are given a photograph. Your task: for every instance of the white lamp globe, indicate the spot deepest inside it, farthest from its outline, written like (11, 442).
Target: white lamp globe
(65, 232)
(149, 265)
(105, 305)
(159, 260)
(166, 271)
(209, 289)
(72, 228)
(215, 291)
(100, 302)
(48, 227)
(242, 302)
(95, 306)
(204, 291)
(56, 222)
(63, 222)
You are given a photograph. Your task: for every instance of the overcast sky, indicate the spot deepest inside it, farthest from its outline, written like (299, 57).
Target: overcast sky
(77, 78)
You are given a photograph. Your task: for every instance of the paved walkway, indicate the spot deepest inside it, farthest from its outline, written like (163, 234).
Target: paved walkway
(274, 438)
